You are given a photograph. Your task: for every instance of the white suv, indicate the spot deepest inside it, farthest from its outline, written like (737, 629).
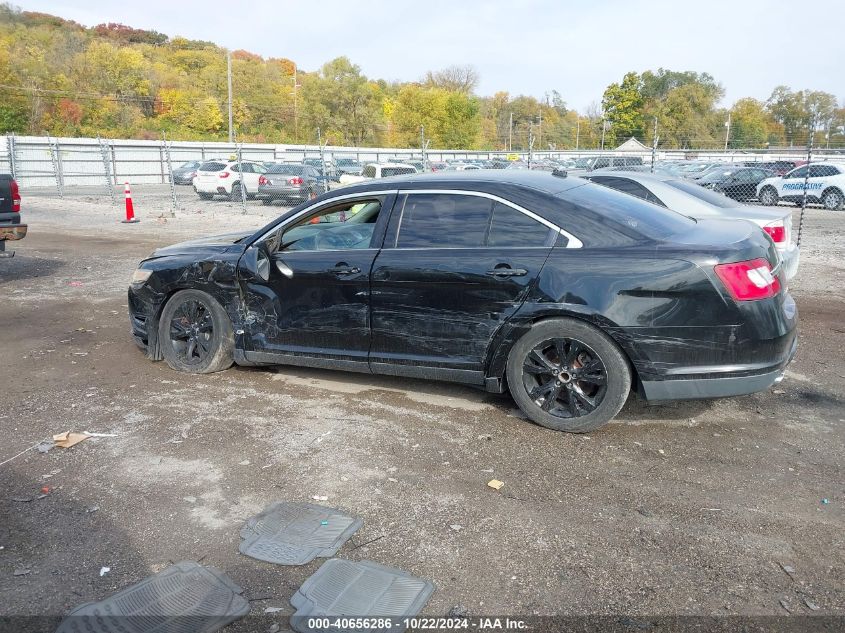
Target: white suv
(379, 170)
(825, 185)
(222, 178)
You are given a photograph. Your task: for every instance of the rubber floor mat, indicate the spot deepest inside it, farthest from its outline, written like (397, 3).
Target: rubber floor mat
(362, 589)
(296, 533)
(184, 598)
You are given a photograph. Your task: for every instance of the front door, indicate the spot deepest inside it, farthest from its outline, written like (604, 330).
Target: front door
(453, 269)
(316, 302)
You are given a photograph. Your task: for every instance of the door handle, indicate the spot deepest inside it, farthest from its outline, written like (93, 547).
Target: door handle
(344, 269)
(507, 272)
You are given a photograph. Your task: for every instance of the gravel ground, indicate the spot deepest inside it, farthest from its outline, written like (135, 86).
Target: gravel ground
(693, 508)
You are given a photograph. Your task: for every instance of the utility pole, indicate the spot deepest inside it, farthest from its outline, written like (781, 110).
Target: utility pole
(295, 113)
(510, 134)
(530, 144)
(727, 131)
(540, 131)
(654, 146)
(577, 132)
(229, 84)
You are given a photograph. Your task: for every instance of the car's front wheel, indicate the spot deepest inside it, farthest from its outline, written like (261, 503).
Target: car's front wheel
(568, 376)
(195, 333)
(769, 197)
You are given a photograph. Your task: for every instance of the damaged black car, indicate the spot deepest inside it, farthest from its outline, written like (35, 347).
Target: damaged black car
(567, 294)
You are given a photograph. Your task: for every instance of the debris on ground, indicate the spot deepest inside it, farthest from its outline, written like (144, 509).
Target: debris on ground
(790, 571)
(68, 439)
(812, 606)
(273, 609)
(456, 527)
(274, 628)
(104, 571)
(458, 611)
(44, 447)
(785, 605)
(825, 501)
(22, 572)
(495, 484)
(319, 498)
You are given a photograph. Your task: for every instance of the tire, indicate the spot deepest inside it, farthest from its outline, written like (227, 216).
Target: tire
(266, 201)
(195, 333)
(832, 199)
(235, 196)
(205, 196)
(578, 405)
(768, 197)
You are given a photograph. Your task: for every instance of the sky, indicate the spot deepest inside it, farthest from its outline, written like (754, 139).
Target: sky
(525, 47)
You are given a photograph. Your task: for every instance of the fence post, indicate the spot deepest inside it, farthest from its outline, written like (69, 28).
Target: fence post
(60, 166)
(113, 162)
(104, 153)
(10, 145)
(55, 167)
(241, 176)
(161, 160)
(174, 203)
(806, 183)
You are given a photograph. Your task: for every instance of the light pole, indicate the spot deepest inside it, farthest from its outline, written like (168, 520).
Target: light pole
(727, 131)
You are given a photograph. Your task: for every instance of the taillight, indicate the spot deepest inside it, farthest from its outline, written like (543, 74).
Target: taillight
(224, 174)
(262, 180)
(16, 197)
(296, 180)
(777, 231)
(749, 281)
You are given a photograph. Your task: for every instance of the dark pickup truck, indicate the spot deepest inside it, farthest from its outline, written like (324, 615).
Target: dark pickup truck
(10, 213)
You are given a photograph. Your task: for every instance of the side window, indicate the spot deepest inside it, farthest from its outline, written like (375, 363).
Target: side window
(339, 227)
(258, 169)
(369, 171)
(801, 172)
(822, 171)
(509, 227)
(444, 221)
(632, 188)
(246, 168)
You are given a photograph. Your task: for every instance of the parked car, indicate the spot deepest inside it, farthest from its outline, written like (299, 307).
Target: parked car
(379, 170)
(739, 183)
(347, 166)
(780, 167)
(184, 173)
(290, 183)
(687, 197)
(11, 227)
(564, 292)
(825, 185)
(222, 177)
(437, 165)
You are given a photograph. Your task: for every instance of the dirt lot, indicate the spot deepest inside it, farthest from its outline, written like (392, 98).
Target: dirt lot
(692, 508)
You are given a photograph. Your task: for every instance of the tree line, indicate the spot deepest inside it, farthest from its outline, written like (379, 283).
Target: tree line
(60, 78)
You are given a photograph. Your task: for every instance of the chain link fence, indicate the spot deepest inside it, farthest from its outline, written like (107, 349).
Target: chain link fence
(166, 176)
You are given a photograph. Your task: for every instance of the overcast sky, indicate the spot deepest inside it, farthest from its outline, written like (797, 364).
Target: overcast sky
(521, 46)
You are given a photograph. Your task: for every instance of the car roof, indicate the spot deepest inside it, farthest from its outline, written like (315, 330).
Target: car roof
(542, 181)
(390, 164)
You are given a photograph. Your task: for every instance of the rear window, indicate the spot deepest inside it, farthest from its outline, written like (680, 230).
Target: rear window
(212, 166)
(707, 195)
(647, 219)
(296, 170)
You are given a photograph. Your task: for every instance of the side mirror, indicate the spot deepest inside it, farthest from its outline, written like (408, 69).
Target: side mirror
(255, 262)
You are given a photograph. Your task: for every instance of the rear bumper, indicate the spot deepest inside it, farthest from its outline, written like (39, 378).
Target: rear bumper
(739, 383)
(10, 232)
(791, 256)
(283, 193)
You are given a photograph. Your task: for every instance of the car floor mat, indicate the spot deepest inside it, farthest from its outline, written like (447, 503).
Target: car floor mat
(345, 588)
(290, 533)
(183, 598)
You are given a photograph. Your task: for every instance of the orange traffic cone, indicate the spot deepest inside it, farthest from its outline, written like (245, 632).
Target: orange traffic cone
(130, 210)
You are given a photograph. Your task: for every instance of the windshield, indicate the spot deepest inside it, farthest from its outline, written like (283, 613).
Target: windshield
(212, 166)
(396, 171)
(717, 175)
(296, 170)
(706, 195)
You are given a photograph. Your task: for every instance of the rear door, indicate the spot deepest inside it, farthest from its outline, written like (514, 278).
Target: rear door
(454, 267)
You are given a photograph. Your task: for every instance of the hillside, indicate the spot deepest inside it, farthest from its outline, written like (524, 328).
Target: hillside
(61, 78)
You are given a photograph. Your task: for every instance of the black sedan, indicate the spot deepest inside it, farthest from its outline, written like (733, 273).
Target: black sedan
(566, 293)
(739, 183)
(291, 184)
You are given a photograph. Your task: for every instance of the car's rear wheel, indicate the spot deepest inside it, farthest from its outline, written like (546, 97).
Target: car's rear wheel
(832, 200)
(769, 196)
(205, 196)
(568, 376)
(195, 333)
